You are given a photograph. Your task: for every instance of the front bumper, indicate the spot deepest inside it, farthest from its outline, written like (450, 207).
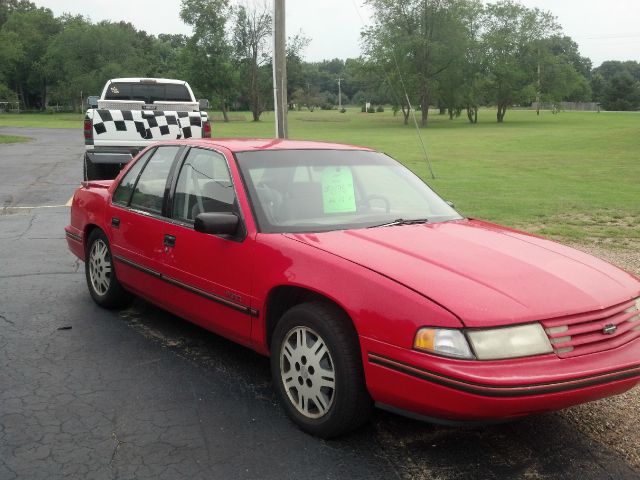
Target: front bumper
(470, 391)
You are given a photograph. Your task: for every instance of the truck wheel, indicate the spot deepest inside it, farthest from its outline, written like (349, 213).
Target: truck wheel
(104, 287)
(317, 371)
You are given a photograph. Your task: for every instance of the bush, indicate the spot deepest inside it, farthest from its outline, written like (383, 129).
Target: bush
(344, 110)
(358, 98)
(371, 110)
(364, 109)
(379, 109)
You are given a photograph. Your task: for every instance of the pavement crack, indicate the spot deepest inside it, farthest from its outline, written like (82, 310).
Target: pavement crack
(115, 448)
(31, 221)
(2, 317)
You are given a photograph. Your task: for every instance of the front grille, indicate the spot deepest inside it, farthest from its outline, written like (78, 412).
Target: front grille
(595, 331)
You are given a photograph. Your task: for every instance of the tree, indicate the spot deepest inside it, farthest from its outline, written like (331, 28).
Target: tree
(456, 86)
(622, 93)
(250, 38)
(420, 38)
(296, 45)
(81, 58)
(7, 7)
(510, 31)
(558, 79)
(614, 84)
(598, 87)
(24, 37)
(207, 56)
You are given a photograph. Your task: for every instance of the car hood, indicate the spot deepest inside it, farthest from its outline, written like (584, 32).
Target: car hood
(485, 274)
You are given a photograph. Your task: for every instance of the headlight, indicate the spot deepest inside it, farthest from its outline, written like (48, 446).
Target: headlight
(509, 342)
(441, 341)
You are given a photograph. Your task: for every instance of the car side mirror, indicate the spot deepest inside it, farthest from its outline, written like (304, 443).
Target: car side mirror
(92, 101)
(203, 103)
(217, 223)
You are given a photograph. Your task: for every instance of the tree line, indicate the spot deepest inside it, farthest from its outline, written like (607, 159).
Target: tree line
(456, 55)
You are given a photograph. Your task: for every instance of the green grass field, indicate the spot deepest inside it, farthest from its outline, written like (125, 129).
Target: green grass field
(13, 139)
(573, 175)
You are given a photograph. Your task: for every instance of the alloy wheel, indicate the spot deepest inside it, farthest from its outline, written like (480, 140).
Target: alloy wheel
(100, 267)
(307, 372)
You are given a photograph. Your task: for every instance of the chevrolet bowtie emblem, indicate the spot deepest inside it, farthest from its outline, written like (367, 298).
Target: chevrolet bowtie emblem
(610, 329)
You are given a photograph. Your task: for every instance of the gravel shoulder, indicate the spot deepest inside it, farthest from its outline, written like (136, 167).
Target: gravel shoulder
(613, 422)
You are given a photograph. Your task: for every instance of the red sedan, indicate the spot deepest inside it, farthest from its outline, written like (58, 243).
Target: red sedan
(361, 284)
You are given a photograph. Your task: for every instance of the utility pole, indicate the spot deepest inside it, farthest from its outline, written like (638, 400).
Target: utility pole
(339, 95)
(280, 69)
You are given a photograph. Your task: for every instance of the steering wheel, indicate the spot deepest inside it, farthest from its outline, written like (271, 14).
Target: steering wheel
(366, 201)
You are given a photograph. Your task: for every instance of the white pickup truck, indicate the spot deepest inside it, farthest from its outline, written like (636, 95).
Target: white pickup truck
(133, 113)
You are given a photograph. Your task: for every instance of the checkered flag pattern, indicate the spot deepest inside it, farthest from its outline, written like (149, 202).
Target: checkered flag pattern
(150, 125)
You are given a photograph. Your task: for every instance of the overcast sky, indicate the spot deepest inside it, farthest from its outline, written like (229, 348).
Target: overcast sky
(605, 30)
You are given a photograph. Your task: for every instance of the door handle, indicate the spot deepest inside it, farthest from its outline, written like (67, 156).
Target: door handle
(169, 240)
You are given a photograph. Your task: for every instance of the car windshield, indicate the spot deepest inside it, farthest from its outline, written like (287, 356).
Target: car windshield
(323, 190)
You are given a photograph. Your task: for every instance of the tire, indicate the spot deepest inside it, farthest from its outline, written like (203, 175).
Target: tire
(302, 370)
(104, 287)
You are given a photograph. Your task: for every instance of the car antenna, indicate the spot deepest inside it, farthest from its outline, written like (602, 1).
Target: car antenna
(406, 96)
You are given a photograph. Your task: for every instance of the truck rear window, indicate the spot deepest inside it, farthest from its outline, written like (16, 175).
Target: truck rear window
(148, 92)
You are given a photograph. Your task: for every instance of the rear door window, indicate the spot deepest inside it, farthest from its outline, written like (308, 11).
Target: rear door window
(149, 191)
(122, 195)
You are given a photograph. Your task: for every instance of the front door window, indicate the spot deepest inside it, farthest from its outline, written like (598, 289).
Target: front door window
(204, 185)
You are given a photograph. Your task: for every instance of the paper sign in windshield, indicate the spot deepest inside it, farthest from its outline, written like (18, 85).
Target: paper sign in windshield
(337, 190)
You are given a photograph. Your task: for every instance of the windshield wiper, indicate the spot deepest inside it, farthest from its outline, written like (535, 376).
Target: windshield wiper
(401, 221)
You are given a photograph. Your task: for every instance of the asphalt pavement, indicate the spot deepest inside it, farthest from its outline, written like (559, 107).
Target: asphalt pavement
(92, 394)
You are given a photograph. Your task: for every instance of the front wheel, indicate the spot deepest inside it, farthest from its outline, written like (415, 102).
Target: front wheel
(317, 370)
(104, 287)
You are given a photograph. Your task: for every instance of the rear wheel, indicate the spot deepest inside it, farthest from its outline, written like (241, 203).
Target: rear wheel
(317, 370)
(104, 287)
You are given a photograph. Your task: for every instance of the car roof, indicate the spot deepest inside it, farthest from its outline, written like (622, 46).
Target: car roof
(251, 144)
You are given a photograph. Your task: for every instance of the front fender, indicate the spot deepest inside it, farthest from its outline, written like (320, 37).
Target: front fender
(380, 308)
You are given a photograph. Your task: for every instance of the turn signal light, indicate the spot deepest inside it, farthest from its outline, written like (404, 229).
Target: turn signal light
(443, 341)
(425, 339)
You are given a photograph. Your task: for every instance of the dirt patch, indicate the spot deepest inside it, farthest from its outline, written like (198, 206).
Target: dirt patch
(613, 422)
(601, 228)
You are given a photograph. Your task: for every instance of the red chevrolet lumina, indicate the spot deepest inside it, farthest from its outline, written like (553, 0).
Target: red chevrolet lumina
(361, 284)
